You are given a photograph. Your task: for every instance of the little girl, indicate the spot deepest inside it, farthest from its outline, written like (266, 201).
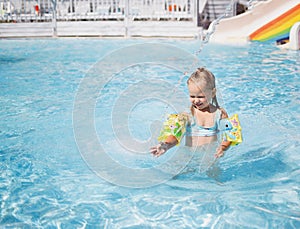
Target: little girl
(202, 124)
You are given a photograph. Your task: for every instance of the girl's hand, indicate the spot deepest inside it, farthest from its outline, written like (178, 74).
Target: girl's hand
(223, 147)
(160, 149)
(220, 152)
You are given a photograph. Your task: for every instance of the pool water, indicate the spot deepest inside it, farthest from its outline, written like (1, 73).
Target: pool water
(46, 183)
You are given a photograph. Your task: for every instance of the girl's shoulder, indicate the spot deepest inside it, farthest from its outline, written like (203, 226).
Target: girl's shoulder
(223, 113)
(186, 116)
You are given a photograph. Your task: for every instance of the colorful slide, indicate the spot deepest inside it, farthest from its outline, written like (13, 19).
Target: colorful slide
(268, 20)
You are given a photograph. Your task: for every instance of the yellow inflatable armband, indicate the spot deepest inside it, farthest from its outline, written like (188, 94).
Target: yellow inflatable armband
(232, 131)
(174, 125)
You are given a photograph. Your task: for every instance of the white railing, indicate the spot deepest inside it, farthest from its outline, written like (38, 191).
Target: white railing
(76, 10)
(26, 10)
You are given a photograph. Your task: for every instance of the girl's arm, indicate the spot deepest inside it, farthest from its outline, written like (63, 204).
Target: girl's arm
(224, 144)
(171, 133)
(223, 147)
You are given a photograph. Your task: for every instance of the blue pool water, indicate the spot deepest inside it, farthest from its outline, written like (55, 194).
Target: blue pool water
(46, 183)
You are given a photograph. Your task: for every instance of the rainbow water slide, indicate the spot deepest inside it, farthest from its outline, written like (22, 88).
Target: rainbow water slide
(267, 20)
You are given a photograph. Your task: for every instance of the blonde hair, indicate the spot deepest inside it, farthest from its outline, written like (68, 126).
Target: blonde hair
(206, 79)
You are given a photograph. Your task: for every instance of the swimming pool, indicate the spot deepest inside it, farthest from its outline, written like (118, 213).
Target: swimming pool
(45, 183)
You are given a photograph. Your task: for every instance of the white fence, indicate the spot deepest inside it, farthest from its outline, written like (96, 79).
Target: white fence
(87, 10)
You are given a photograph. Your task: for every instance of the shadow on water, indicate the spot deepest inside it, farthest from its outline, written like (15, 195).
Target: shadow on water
(253, 170)
(260, 173)
(10, 59)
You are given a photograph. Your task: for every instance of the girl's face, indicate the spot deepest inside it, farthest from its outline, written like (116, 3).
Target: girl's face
(200, 97)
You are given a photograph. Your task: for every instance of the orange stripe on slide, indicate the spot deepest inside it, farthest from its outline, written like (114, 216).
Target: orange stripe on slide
(285, 22)
(272, 24)
(282, 27)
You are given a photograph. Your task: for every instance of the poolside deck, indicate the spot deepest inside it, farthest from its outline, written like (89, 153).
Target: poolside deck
(182, 29)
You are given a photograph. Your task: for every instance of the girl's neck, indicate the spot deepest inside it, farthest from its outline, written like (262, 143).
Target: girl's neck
(209, 109)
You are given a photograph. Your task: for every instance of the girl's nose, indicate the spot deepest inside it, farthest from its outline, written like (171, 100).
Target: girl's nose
(196, 100)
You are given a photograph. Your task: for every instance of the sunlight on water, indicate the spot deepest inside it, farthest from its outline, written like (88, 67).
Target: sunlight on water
(46, 183)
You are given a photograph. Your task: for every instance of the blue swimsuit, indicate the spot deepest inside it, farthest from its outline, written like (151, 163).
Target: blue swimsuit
(200, 131)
